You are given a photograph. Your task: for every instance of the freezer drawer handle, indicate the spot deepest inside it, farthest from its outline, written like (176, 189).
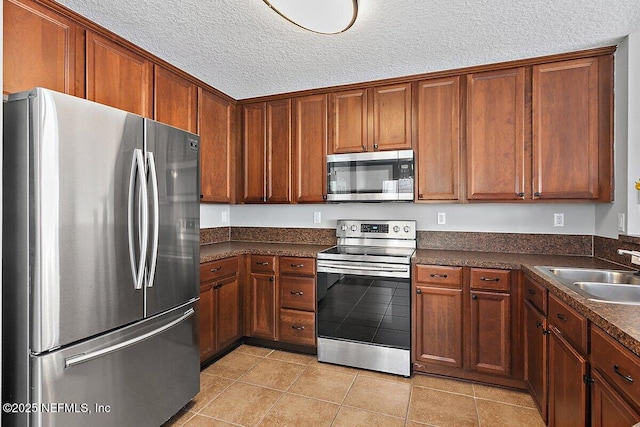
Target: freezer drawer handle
(85, 357)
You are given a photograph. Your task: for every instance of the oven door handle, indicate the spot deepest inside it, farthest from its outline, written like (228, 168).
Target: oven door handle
(344, 267)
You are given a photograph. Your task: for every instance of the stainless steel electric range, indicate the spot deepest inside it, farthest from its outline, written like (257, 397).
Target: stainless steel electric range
(364, 299)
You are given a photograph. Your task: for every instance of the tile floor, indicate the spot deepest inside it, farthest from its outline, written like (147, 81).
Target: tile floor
(253, 386)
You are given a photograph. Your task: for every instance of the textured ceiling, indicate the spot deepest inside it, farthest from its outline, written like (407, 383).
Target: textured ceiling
(244, 49)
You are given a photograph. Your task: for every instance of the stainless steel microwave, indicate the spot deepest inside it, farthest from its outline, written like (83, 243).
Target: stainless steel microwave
(370, 177)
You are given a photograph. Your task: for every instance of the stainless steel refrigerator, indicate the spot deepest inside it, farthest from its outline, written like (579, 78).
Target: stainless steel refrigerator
(101, 255)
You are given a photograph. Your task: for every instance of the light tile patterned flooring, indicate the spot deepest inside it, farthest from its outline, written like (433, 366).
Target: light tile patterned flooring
(253, 386)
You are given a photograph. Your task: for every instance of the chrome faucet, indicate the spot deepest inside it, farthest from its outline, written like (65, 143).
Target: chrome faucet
(635, 257)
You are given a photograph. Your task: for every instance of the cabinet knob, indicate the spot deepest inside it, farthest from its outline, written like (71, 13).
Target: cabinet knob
(418, 291)
(538, 324)
(537, 194)
(520, 194)
(474, 296)
(324, 197)
(202, 196)
(546, 332)
(271, 279)
(375, 146)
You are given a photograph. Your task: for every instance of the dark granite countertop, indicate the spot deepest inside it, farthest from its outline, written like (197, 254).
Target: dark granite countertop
(620, 321)
(217, 251)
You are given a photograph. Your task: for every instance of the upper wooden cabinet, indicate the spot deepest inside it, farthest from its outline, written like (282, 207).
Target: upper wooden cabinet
(496, 135)
(41, 48)
(216, 121)
(438, 139)
(175, 100)
(571, 129)
(372, 119)
(118, 77)
(310, 148)
(266, 144)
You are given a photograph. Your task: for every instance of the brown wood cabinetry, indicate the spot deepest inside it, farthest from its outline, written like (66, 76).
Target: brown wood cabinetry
(437, 141)
(266, 147)
(608, 407)
(297, 300)
(437, 311)
(264, 297)
(496, 135)
(220, 306)
(372, 119)
(310, 148)
(175, 100)
(117, 76)
(535, 363)
(216, 121)
(41, 48)
(570, 150)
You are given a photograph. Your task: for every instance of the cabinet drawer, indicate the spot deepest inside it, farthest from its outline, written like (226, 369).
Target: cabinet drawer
(298, 293)
(535, 294)
(572, 325)
(263, 264)
(439, 275)
(297, 266)
(217, 269)
(298, 327)
(491, 279)
(617, 363)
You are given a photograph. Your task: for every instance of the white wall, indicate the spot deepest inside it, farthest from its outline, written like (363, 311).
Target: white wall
(490, 217)
(212, 215)
(633, 134)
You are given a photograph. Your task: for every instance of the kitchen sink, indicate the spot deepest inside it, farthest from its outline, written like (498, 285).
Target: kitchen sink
(609, 286)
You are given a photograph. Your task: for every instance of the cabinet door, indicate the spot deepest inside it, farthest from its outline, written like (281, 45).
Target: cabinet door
(608, 408)
(349, 121)
(207, 327)
(254, 135)
(40, 49)
(438, 139)
(118, 77)
(263, 306)
(279, 151)
(310, 148)
(567, 389)
(490, 349)
(495, 135)
(228, 312)
(565, 129)
(392, 117)
(215, 124)
(175, 100)
(535, 357)
(438, 327)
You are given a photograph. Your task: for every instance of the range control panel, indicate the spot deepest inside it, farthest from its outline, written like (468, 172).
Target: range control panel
(376, 229)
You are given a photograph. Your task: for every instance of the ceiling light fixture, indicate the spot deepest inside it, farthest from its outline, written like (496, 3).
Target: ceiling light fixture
(320, 16)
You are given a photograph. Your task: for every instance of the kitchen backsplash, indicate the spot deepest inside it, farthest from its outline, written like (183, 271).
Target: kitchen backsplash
(607, 248)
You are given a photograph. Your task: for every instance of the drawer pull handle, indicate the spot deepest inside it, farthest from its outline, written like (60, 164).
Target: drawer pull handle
(485, 279)
(628, 378)
(443, 276)
(561, 317)
(538, 324)
(296, 293)
(213, 270)
(532, 292)
(262, 263)
(299, 328)
(297, 265)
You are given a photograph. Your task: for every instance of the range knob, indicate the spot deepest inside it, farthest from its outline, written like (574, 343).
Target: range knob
(396, 229)
(354, 227)
(344, 227)
(407, 228)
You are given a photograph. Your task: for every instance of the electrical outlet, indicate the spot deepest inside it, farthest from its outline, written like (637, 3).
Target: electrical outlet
(558, 220)
(621, 222)
(317, 217)
(442, 218)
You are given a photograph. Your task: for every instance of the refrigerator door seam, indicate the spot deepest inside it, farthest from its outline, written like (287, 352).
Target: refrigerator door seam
(85, 357)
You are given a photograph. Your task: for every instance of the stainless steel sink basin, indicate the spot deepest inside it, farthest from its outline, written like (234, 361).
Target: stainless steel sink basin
(610, 286)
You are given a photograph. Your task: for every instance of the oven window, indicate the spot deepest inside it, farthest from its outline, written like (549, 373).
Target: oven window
(367, 309)
(363, 177)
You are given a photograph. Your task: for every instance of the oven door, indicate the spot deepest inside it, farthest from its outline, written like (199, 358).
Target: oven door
(364, 321)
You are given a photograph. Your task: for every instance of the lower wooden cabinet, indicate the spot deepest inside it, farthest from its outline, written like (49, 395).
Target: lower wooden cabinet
(490, 349)
(263, 306)
(535, 356)
(297, 327)
(608, 407)
(220, 306)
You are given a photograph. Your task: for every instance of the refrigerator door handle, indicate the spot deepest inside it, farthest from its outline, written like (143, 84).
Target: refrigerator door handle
(137, 164)
(156, 217)
(85, 357)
